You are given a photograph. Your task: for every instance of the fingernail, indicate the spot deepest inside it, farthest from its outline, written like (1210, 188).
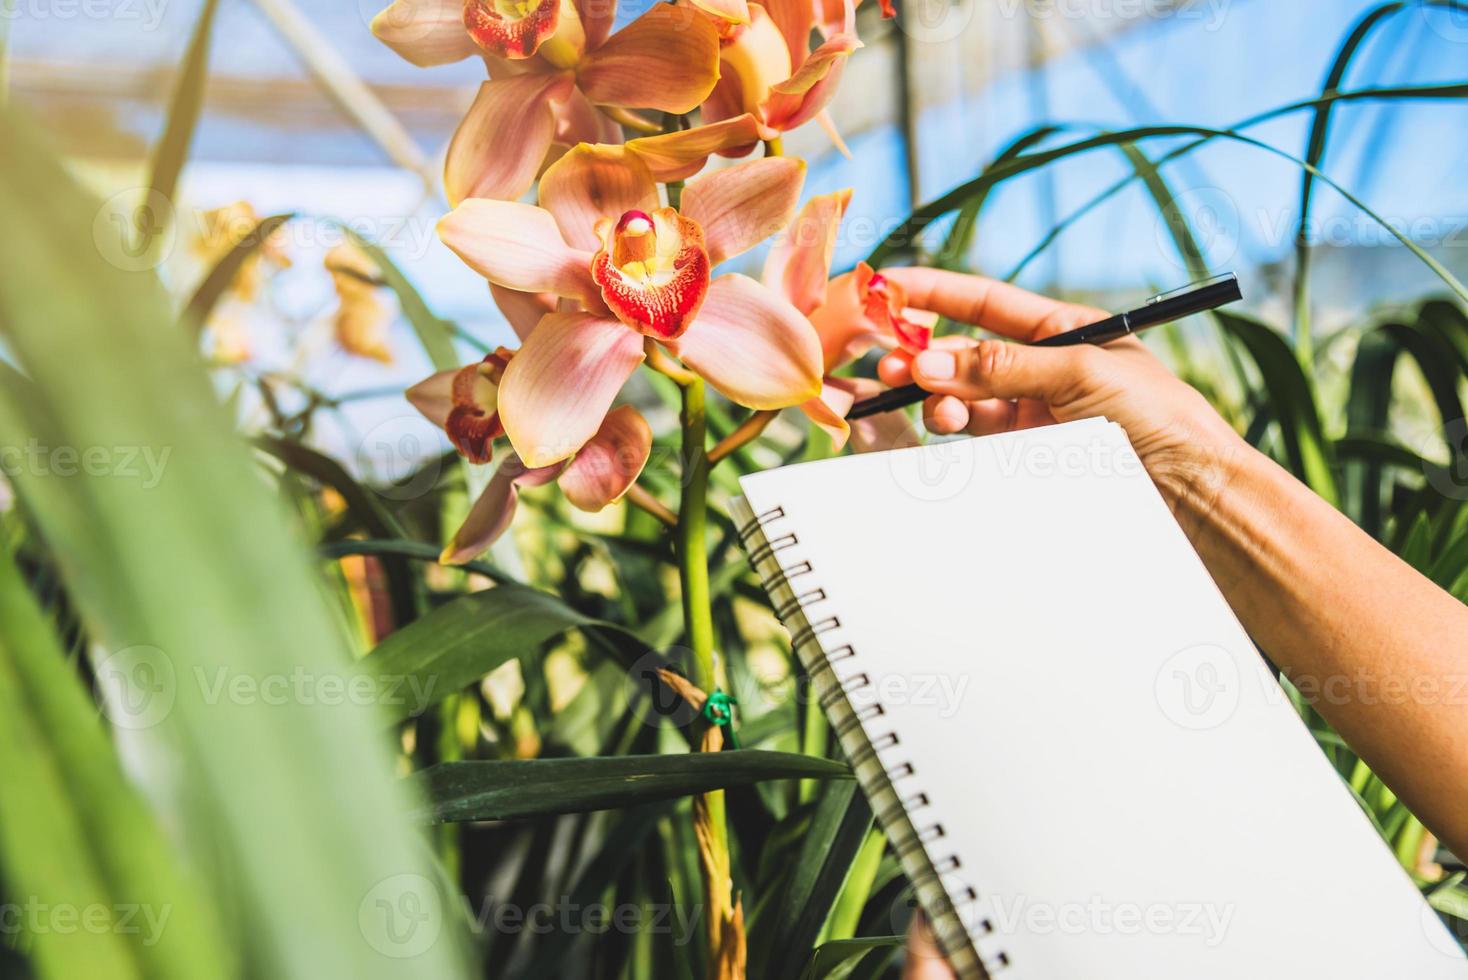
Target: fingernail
(936, 365)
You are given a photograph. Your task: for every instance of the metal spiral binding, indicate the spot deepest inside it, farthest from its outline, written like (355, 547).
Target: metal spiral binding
(910, 842)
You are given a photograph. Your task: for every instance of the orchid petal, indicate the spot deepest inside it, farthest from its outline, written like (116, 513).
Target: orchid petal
(729, 11)
(608, 465)
(517, 246)
(596, 20)
(593, 182)
(493, 510)
(742, 205)
(794, 18)
(841, 321)
(522, 310)
(433, 396)
(828, 126)
(680, 155)
(502, 141)
(578, 121)
(799, 98)
(558, 388)
(828, 410)
(753, 346)
(757, 57)
(425, 32)
(667, 59)
(800, 262)
(876, 433)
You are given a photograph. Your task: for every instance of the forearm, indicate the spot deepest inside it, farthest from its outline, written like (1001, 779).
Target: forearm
(1380, 650)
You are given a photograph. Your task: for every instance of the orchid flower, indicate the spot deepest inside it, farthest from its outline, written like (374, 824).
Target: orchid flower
(556, 70)
(464, 403)
(632, 273)
(767, 69)
(852, 313)
(362, 319)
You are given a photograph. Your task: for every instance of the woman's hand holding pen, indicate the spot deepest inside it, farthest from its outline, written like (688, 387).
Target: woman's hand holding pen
(993, 386)
(1341, 615)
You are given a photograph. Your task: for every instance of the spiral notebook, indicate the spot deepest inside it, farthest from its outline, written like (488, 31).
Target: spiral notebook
(1075, 751)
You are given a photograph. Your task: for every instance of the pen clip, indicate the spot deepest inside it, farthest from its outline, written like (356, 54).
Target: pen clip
(1190, 287)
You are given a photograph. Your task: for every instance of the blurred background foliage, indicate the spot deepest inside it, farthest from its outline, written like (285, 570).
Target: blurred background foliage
(281, 286)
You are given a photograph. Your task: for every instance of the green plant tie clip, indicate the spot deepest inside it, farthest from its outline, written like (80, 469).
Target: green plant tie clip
(719, 710)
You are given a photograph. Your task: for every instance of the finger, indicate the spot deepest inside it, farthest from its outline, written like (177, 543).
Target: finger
(990, 416)
(945, 415)
(993, 305)
(924, 960)
(895, 370)
(995, 369)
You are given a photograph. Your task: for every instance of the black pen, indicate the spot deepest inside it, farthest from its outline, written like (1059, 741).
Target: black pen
(1197, 297)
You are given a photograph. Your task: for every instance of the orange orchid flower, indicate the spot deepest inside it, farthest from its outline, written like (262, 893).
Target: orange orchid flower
(851, 314)
(553, 66)
(464, 403)
(768, 71)
(631, 272)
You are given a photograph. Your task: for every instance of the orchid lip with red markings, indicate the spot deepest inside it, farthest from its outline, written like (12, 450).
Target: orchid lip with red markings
(886, 301)
(474, 421)
(512, 28)
(653, 270)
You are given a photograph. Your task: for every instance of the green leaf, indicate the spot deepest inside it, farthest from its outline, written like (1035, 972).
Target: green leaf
(960, 240)
(414, 550)
(219, 279)
(829, 957)
(172, 150)
(1293, 399)
(74, 833)
(365, 506)
(462, 640)
(838, 829)
(517, 788)
(1315, 155)
(1368, 405)
(288, 805)
(434, 333)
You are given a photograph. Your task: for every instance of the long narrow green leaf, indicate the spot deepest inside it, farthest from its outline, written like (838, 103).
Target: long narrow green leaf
(1368, 403)
(219, 279)
(365, 507)
(960, 240)
(838, 829)
(1315, 155)
(288, 802)
(1387, 93)
(461, 641)
(172, 150)
(1293, 399)
(434, 333)
(829, 957)
(74, 834)
(907, 233)
(517, 788)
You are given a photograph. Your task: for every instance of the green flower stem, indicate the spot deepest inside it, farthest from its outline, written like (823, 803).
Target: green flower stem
(698, 620)
(693, 570)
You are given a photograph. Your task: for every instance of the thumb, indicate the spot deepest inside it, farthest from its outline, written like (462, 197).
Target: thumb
(995, 369)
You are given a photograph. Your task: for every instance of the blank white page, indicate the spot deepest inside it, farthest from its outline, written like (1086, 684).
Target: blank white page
(1125, 784)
